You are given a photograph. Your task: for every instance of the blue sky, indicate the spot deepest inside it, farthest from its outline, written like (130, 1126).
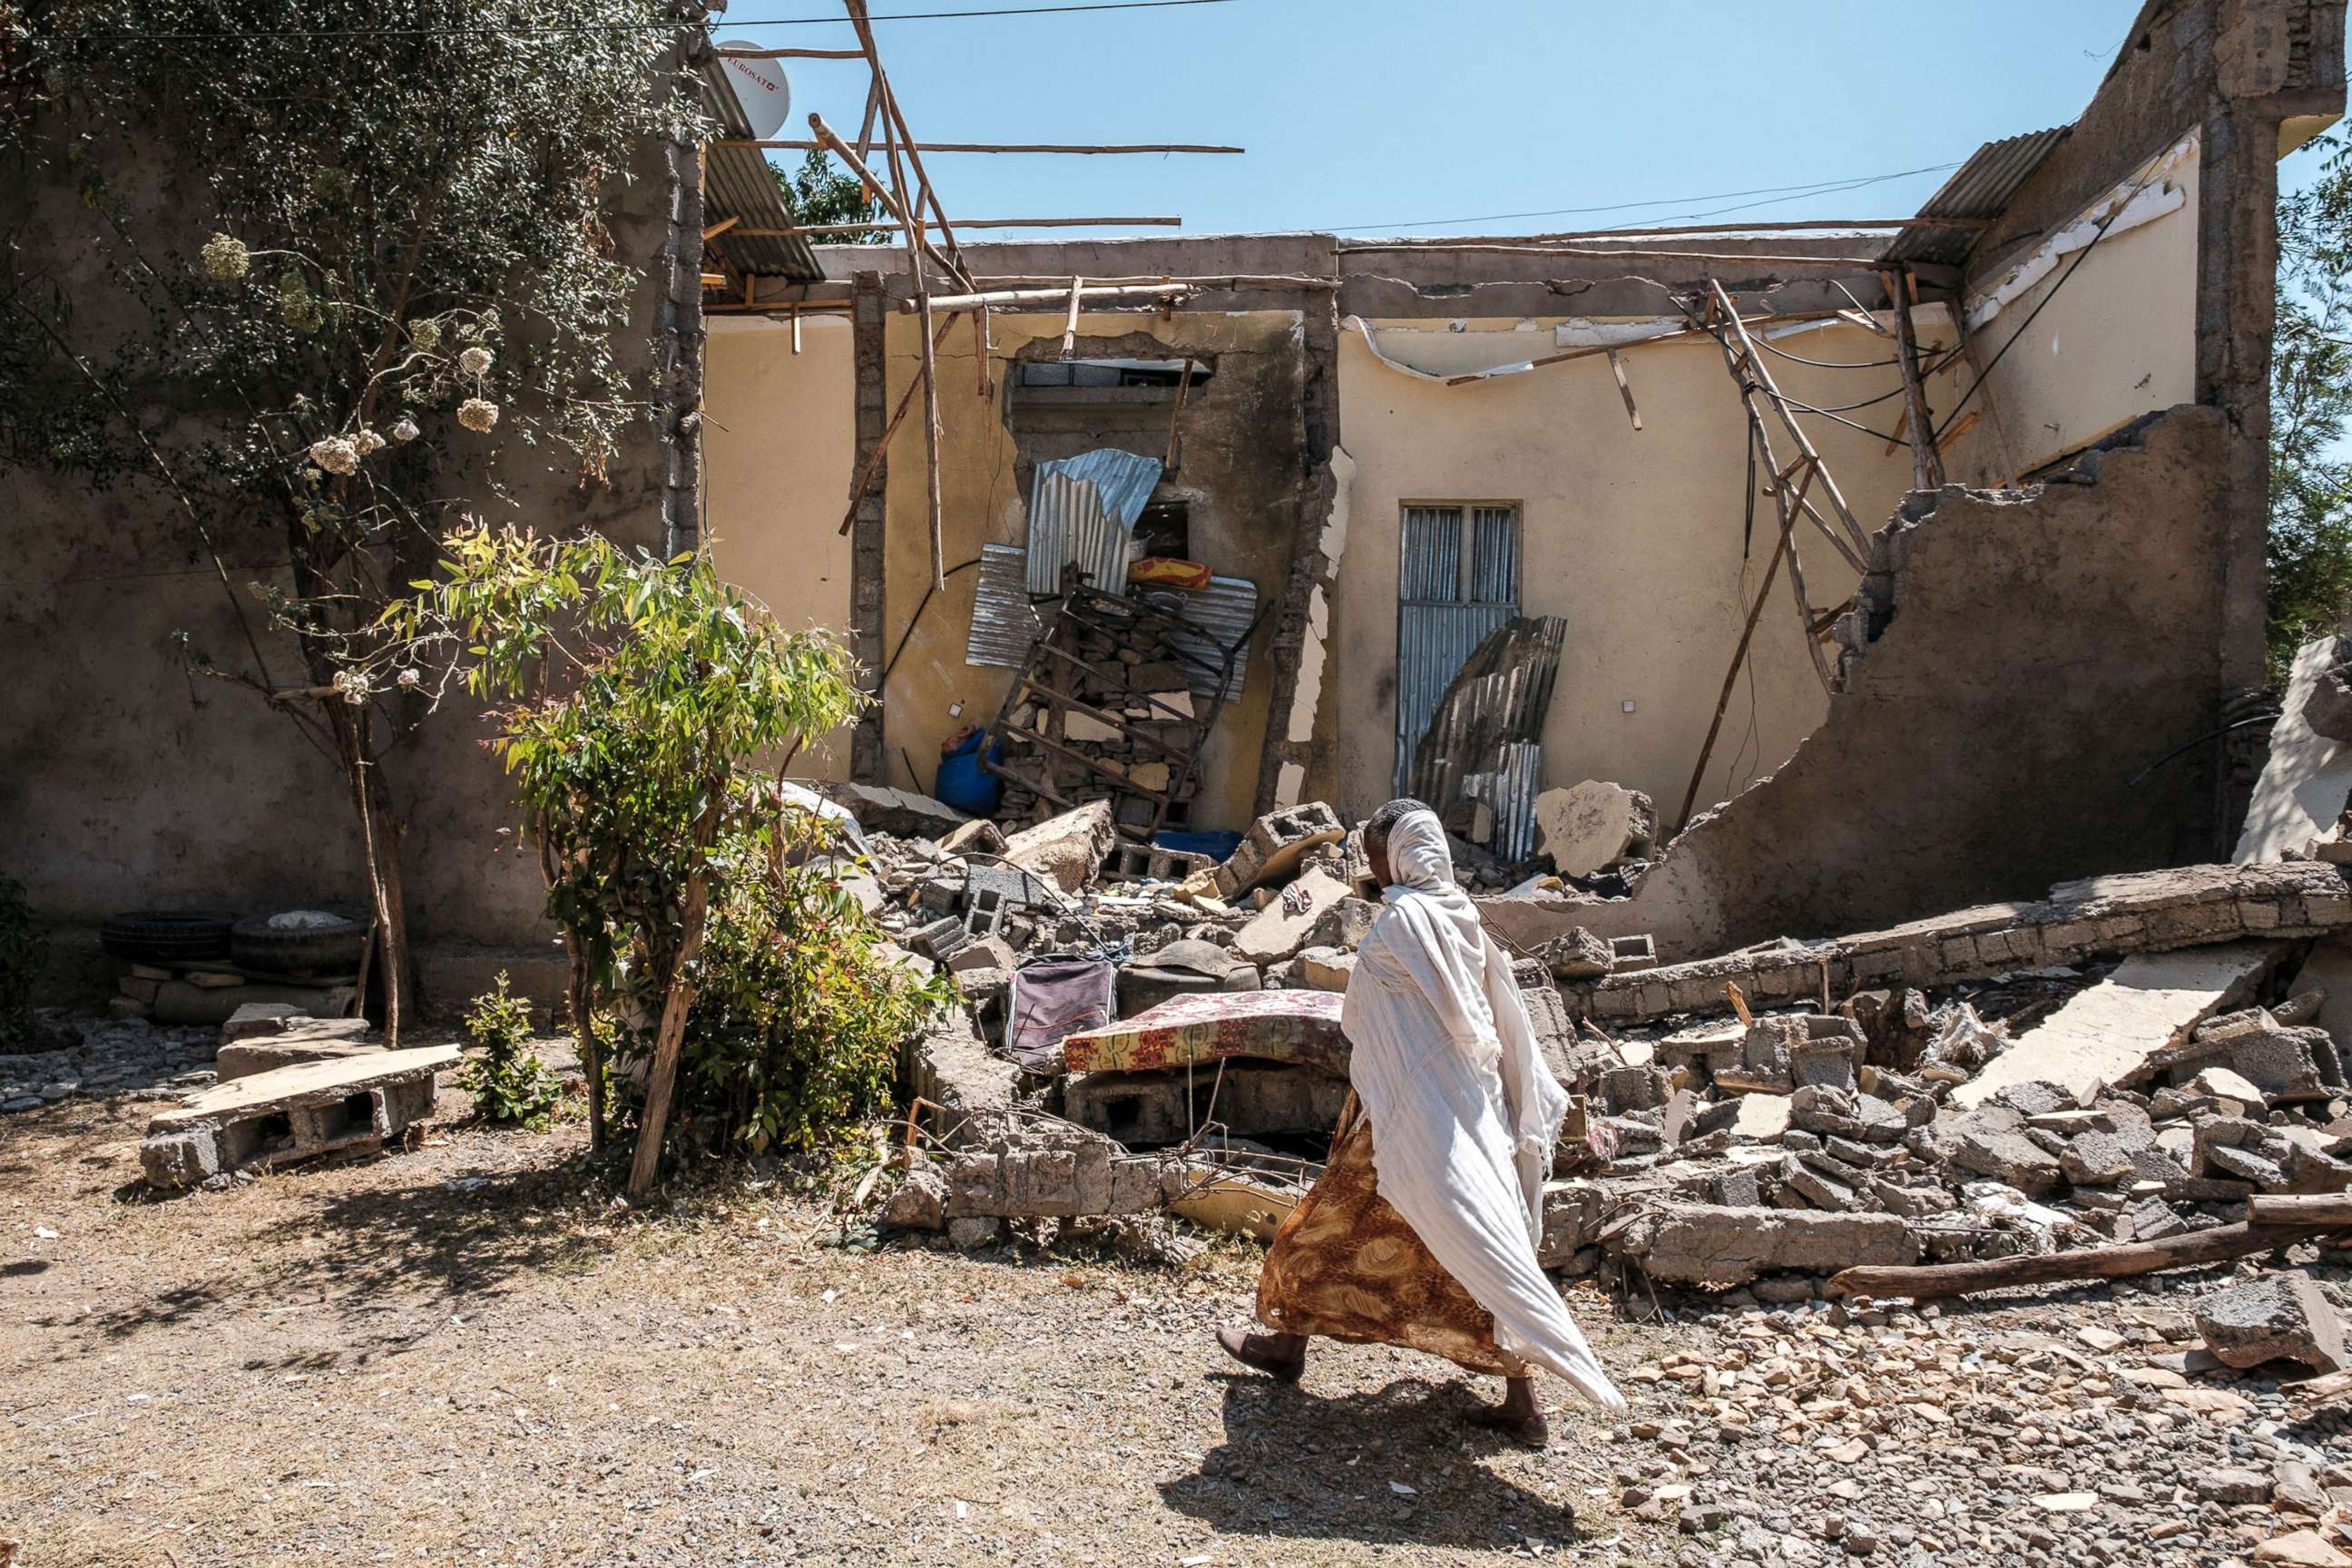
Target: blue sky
(1379, 116)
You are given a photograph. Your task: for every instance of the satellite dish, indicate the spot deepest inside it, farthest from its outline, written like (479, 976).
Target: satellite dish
(759, 87)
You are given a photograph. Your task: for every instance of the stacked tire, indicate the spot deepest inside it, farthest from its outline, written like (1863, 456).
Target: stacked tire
(167, 937)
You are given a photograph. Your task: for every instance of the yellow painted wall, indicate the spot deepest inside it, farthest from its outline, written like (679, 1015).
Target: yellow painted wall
(2117, 342)
(1633, 537)
(933, 692)
(777, 449)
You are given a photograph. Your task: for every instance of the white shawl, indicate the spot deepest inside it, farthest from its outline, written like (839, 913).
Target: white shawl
(1463, 1109)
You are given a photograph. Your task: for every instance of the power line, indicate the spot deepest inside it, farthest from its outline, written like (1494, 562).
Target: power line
(1789, 193)
(629, 27)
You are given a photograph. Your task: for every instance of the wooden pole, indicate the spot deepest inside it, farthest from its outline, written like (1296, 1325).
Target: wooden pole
(1760, 373)
(1013, 299)
(1183, 385)
(805, 55)
(661, 1078)
(925, 195)
(2214, 1245)
(865, 480)
(1070, 322)
(2300, 1208)
(1926, 465)
(1624, 387)
(1739, 658)
(827, 137)
(777, 144)
(916, 245)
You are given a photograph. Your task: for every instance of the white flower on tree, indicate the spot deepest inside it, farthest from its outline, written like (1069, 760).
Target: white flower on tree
(336, 455)
(406, 431)
(475, 361)
(225, 258)
(477, 414)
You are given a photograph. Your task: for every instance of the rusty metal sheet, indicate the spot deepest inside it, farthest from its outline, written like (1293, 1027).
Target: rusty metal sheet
(1083, 509)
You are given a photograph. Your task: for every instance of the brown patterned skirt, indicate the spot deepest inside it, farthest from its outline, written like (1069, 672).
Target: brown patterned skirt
(1347, 1265)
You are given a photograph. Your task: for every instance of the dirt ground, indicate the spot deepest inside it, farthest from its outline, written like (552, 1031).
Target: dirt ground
(465, 1353)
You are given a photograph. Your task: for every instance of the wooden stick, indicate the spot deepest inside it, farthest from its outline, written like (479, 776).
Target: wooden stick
(2213, 1245)
(865, 480)
(1070, 322)
(1624, 387)
(779, 145)
(669, 1040)
(722, 226)
(1758, 371)
(1732, 676)
(865, 127)
(925, 195)
(825, 55)
(1926, 466)
(1183, 385)
(1949, 439)
(828, 137)
(893, 226)
(2300, 1208)
(981, 346)
(1012, 298)
(916, 245)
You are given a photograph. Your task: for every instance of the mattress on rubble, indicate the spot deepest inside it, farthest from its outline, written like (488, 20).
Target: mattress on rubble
(1301, 1028)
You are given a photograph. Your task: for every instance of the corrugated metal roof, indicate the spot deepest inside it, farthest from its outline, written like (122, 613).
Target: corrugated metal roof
(1979, 188)
(738, 184)
(1083, 509)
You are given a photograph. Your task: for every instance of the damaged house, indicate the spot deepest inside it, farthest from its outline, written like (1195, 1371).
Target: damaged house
(1836, 650)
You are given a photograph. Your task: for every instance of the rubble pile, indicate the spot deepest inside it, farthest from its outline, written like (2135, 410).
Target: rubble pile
(2127, 1061)
(76, 1054)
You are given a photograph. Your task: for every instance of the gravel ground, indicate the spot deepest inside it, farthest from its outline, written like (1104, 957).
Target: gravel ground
(465, 1353)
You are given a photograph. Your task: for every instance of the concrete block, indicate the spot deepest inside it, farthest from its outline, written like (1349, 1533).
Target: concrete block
(1068, 849)
(315, 1040)
(1703, 1244)
(292, 1113)
(2280, 1317)
(1280, 929)
(1590, 826)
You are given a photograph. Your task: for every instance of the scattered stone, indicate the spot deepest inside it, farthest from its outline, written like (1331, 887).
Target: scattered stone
(2281, 1316)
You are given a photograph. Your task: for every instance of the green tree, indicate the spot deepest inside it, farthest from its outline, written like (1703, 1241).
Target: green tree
(635, 700)
(363, 244)
(820, 194)
(2311, 410)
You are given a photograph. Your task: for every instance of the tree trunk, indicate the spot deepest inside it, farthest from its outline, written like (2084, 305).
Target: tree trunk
(670, 1038)
(592, 1056)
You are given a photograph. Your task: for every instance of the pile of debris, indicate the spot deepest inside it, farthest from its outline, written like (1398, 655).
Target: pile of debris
(2123, 1065)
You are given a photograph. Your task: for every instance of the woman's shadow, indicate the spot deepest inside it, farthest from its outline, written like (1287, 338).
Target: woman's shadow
(1299, 1464)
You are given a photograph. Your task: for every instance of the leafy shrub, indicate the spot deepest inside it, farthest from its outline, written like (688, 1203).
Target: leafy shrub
(798, 1012)
(24, 950)
(507, 1080)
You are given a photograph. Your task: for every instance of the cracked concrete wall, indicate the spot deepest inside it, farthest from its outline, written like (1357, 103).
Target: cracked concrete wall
(2033, 651)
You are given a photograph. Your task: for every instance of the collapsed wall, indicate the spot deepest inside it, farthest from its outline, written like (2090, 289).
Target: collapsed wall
(2016, 662)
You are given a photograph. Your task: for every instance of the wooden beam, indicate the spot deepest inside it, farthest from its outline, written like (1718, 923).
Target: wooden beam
(1013, 299)
(1624, 387)
(865, 480)
(2002, 450)
(2216, 1244)
(1927, 463)
(722, 226)
(925, 195)
(827, 137)
(1739, 653)
(892, 228)
(1084, 150)
(1949, 439)
(714, 281)
(1850, 263)
(798, 54)
(1070, 322)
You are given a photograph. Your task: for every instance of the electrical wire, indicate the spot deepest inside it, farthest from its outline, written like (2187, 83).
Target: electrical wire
(1789, 193)
(630, 26)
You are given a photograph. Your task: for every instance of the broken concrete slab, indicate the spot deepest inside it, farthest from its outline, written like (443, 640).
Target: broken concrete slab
(1068, 849)
(1592, 825)
(2107, 1035)
(2140, 911)
(1698, 1243)
(902, 813)
(307, 1040)
(1275, 844)
(1325, 968)
(2279, 1317)
(292, 1113)
(184, 1002)
(1280, 929)
(1300, 1028)
(261, 1018)
(970, 1089)
(2307, 779)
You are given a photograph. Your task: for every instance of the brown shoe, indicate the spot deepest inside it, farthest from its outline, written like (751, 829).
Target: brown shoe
(1527, 1431)
(1258, 1351)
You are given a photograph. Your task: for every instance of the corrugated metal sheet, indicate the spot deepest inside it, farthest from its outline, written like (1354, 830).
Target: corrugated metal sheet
(1003, 623)
(1083, 509)
(1225, 612)
(1495, 701)
(1443, 616)
(1511, 790)
(738, 184)
(1978, 188)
